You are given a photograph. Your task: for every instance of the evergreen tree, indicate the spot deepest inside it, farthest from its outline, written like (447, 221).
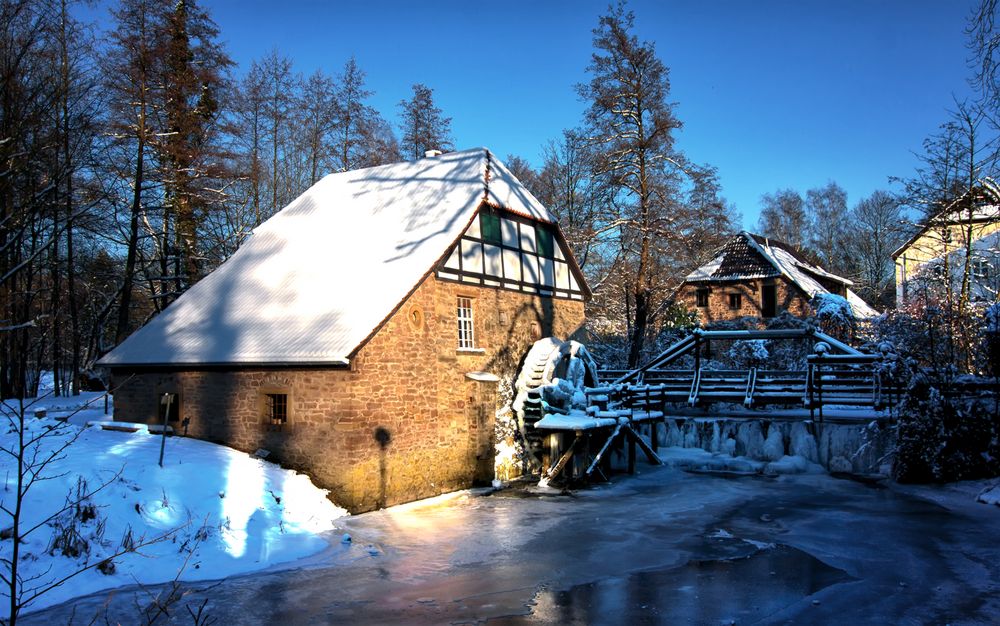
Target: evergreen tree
(424, 127)
(194, 74)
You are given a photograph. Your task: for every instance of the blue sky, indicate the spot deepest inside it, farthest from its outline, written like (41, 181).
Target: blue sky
(775, 94)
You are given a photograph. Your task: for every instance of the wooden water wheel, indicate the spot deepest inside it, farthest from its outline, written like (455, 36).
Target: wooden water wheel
(539, 389)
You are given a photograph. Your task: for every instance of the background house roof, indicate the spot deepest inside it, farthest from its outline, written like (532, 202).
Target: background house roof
(312, 283)
(987, 209)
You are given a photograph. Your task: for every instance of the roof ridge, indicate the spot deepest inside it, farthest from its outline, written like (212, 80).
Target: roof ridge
(487, 175)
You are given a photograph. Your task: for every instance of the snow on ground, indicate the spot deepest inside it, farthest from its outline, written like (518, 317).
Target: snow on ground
(218, 511)
(990, 494)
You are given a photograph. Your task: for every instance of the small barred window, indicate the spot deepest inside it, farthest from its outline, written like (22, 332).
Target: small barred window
(703, 297)
(276, 409)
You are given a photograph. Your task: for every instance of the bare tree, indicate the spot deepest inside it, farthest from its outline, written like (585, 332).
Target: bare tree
(876, 231)
(630, 124)
(319, 119)
(827, 207)
(984, 43)
(947, 190)
(362, 137)
(247, 133)
(280, 83)
(130, 69)
(783, 216)
(568, 187)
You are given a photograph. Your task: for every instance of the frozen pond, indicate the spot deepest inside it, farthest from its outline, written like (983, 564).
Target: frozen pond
(661, 547)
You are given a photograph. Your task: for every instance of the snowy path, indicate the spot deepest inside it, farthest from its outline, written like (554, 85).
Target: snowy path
(662, 547)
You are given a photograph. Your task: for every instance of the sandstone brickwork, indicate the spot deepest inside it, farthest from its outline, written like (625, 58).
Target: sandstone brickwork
(789, 298)
(402, 422)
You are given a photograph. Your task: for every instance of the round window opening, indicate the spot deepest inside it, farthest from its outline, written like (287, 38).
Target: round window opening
(416, 317)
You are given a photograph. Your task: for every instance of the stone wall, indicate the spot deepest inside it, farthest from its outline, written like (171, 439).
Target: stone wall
(789, 298)
(403, 422)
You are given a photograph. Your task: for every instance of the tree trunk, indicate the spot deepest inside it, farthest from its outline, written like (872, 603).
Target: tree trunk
(122, 330)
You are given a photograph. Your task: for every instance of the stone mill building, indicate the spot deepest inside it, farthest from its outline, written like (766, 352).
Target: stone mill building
(362, 333)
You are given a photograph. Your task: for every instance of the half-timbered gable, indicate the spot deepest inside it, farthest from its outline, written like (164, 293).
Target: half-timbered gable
(511, 251)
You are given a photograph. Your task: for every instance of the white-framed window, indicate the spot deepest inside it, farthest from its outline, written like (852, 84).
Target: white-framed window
(981, 268)
(466, 336)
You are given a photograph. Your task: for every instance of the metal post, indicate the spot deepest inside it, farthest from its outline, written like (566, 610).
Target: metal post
(166, 415)
(819, 390)
(631, 455)
(810, 382)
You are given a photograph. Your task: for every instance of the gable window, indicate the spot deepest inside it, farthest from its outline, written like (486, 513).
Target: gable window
(735, 301)
(543, 238)
(489, 227)
(466, 337)
(703, 298)
(276, 410)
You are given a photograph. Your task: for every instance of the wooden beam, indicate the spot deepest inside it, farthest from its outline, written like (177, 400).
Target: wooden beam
(564, 459)
(635, 439)
(604, 448)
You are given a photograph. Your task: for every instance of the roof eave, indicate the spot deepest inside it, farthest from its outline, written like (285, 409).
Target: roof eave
(286, 363)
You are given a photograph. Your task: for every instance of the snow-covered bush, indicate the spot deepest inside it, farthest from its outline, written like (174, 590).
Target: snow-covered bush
(940, 341)
(944, 438)
(991, 340)
(788, 354)
(833, 315)
(608, 341)
(748, 353)
(747, 322)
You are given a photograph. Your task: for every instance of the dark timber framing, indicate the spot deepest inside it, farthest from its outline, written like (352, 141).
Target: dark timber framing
(478, 275)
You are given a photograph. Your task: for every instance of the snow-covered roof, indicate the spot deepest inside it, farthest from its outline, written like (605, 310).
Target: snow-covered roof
(318, 278)
(748, 256)
(861, 308)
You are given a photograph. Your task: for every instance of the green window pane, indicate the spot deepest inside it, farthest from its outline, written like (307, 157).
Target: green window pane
(489, 226)
(546, 246)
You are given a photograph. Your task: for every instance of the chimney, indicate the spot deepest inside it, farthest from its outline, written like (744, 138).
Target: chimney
(430, 154)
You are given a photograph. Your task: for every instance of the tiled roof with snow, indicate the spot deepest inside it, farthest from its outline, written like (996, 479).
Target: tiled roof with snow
(314, 281)
(738, 259)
